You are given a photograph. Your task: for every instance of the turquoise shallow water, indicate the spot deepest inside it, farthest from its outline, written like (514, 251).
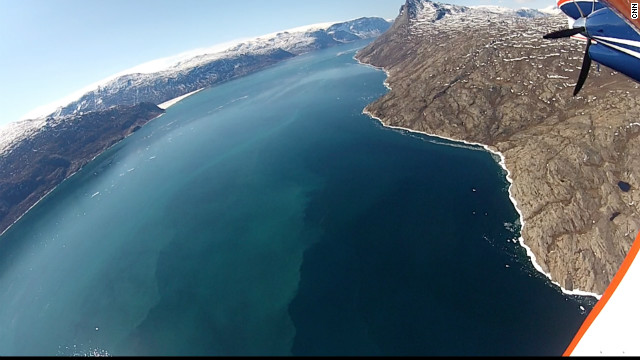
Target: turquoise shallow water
(267, 215)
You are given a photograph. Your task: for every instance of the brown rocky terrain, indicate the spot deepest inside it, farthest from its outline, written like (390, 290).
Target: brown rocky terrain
(488, 77)
(37, 164)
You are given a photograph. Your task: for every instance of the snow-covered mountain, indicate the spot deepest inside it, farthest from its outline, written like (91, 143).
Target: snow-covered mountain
(429, 11)
(45, 152)
(522, 12)
(426, 14)
(208, 69)
(551, 10)
(13, 133)
(362, 28)
(37, 154)
(199, 71)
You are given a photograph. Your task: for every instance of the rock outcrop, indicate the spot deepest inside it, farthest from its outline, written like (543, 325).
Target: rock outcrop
(488, 77)
(59, 148)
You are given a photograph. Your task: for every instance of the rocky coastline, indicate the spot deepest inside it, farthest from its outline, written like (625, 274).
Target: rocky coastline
(485, 77)
(36, 165)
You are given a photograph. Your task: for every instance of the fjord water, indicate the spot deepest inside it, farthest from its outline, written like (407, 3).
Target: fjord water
(269, 216)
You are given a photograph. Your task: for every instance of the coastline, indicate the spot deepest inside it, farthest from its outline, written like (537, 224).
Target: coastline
(502, 164)
(386, 80)
(72, 174)
(169, 103)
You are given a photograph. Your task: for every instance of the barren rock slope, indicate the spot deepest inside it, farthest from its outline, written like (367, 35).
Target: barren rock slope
(483, 76)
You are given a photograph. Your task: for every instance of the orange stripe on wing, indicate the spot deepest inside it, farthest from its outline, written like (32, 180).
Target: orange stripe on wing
(562, 2)
(623, 9)
(626, 264)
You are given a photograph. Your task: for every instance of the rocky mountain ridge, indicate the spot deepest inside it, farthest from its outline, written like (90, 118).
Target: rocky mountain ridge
(488, 77)
(41, 161)
(201, 71)
(210, 69)
(38, 154)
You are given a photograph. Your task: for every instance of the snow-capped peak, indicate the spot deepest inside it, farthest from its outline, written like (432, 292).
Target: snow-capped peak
(425, 10)
(551, 10)
(493, 8)
(163, 79)
(289, 40)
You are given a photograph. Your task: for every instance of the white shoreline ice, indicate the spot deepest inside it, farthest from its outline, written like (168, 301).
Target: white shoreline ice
(502, 163)
(167, 104)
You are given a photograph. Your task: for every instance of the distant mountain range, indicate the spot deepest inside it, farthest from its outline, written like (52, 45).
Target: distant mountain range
(38, 154)
(200, 71)
(523, 12)
(418, 9)
(210, 69)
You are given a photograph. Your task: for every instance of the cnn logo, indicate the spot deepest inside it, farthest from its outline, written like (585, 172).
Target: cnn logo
(634, 10)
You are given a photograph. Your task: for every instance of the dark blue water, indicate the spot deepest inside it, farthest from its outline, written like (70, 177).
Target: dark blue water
(268, 216)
